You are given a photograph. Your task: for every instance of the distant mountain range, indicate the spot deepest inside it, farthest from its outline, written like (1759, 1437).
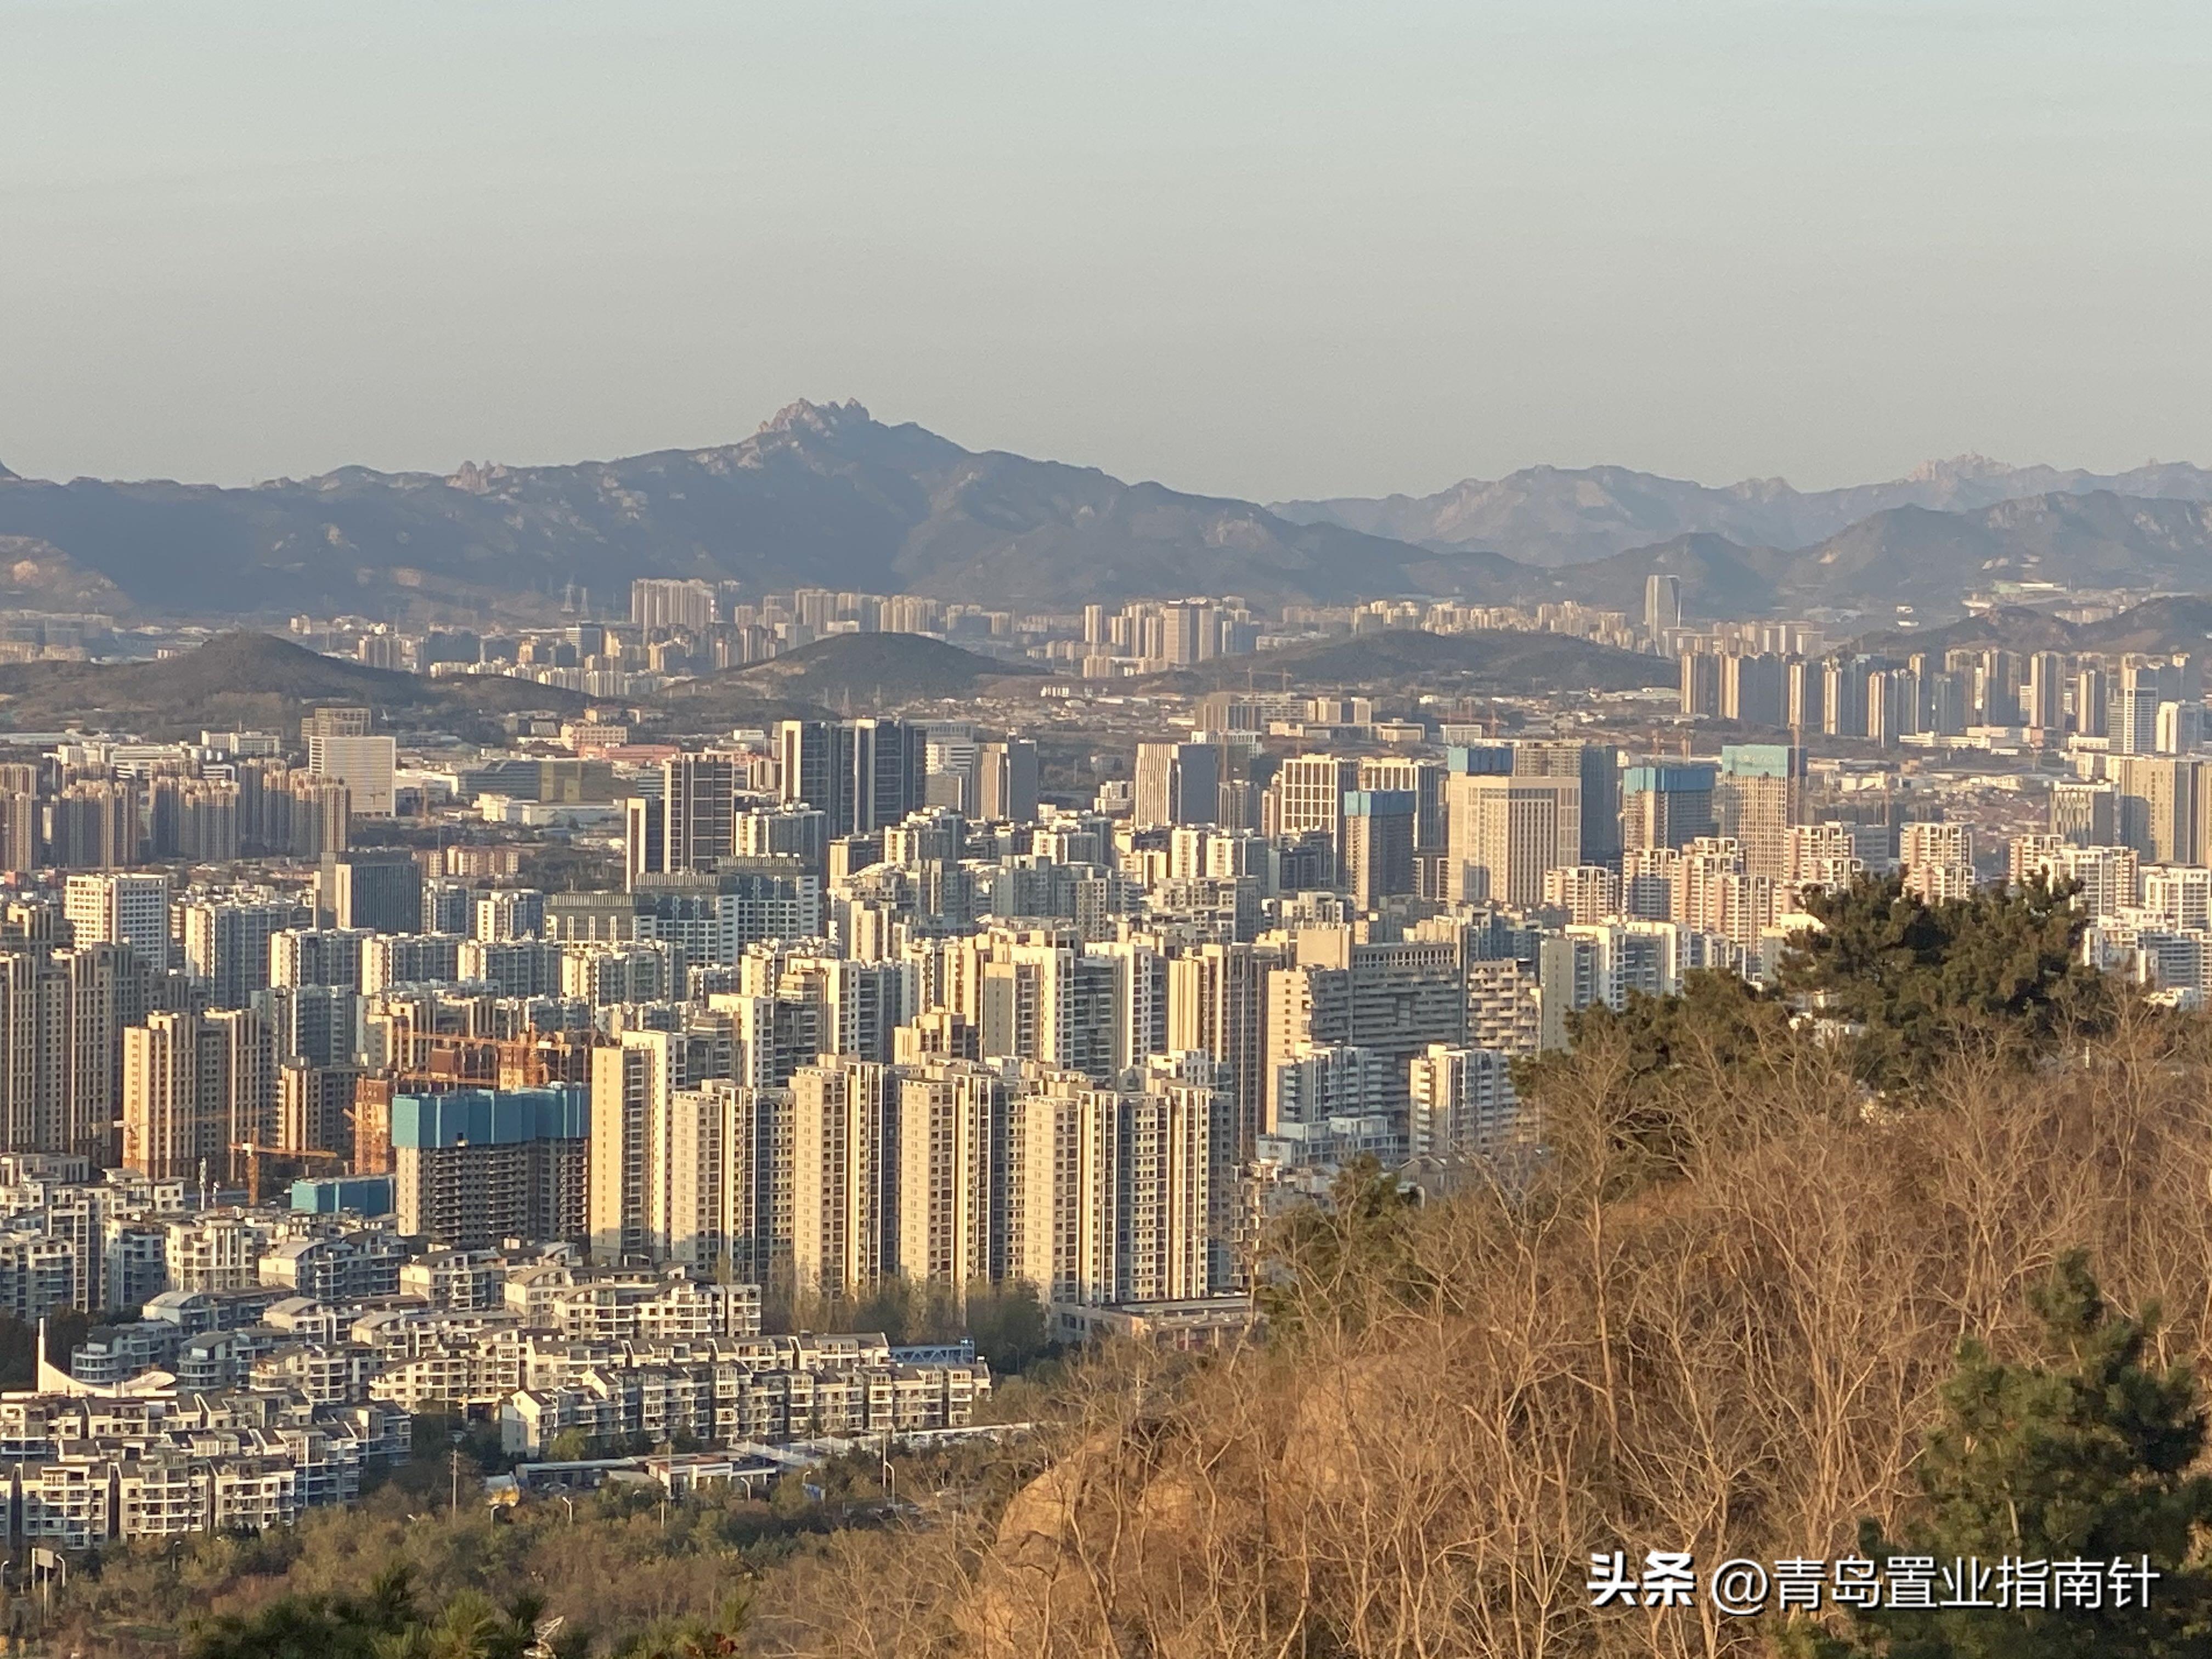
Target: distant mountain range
(2183, 623)
(1550, 515)
(824, 494)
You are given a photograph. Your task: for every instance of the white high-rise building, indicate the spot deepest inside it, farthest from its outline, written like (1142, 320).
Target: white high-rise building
(663, 603)
(121, 909)
(1504, 833)
(1462, 1101)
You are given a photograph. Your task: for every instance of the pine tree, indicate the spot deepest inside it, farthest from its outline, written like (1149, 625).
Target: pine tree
(2001, 966)
(2082, 1455)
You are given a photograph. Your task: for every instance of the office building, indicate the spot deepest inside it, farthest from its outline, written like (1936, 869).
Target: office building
(2084, 812)
(1663, 605)
(1666, 804)
(2159, 808)
(1596, 767)
(1757, 795)
(865, 774)
(1753, 689)
(381, 890)
(699, 808)
(365, 764)
(1006, 782)
(1307, 797)
(1177, 783)
(1503, 833)
(2046, 694)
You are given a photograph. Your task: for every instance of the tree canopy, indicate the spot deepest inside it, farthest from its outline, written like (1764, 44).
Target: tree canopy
(2082, 1454)
(2001, 967)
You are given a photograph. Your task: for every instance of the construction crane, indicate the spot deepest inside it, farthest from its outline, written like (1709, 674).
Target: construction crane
(253, 1153)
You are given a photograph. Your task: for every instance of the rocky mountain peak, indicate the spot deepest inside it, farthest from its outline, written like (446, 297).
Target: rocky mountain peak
(822, 419)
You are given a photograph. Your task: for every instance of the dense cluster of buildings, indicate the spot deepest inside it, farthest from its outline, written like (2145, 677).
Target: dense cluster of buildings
(328, 1113)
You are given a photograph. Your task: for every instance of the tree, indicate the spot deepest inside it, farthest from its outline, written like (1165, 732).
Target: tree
(1650, 1082)
(1331, 1261)
(570, 1446)
(694, 1638)
(2083, 1455)
(2001, 965)
(382, 1624)
(1007, 1322)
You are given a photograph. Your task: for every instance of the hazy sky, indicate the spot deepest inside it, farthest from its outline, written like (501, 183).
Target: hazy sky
(1258, 249)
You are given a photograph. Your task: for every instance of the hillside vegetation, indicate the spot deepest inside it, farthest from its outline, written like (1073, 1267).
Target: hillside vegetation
(253, 680)
(868, 671)
(1735, 1311)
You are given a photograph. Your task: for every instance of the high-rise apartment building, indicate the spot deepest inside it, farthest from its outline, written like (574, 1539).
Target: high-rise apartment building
(62, 1017)
(1393, 997)
(631, 1084)
(952, 1167)
(227, 945)
(317, 955)
(1217, 1004)
(1117, 1193)
(194, 1087)
(662, 604)
(121, 909)
(473, 1166)
(845, 1175)
(724, 1196)
(1464, 1103)
(93, 824)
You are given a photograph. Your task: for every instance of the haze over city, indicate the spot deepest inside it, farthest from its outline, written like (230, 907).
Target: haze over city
(1253, 250)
